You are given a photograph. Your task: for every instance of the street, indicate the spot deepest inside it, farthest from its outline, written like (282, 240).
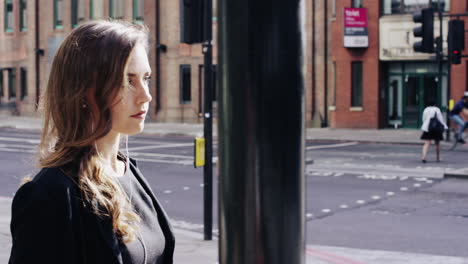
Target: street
(365, 196)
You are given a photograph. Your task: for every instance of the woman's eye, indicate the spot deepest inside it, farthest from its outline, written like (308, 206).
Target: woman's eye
(147, 79)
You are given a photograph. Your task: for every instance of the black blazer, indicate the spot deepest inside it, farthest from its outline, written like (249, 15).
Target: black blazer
(49, 224)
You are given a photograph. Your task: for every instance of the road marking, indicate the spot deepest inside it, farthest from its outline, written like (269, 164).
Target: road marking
(332, 146)
(161, 155)
(147, 141)
(390, 193)
(417, 185)
(420, 179)
(17, 150)
(15, 139)
(185, 225)
(181, 162)
(403, 189)
(343, 206)
(161, 146)
(378, 177)
(326, 210)
(18, 146)
(167, 192)
(330, 257)
(375, 197)
(309, 215)
(360, 202)
(186, 188)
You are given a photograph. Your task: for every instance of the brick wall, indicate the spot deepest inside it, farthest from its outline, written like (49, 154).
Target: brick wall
(459, 72)
(343, 116)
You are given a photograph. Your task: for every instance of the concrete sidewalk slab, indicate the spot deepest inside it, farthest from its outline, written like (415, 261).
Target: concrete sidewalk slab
(397, 136)
(340, 255)
(192, 249)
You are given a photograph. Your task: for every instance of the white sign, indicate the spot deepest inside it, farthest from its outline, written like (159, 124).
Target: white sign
(397, 39)
(356, 41)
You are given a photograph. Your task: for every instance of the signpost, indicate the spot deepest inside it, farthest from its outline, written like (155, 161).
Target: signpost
(355, 33)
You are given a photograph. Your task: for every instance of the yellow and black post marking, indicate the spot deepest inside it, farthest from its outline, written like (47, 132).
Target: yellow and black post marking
(199, 152)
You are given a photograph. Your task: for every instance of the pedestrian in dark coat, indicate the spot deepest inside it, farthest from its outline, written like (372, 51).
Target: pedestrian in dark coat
(89, 203)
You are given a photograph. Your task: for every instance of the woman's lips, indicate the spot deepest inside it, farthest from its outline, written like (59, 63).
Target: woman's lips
(139, 115)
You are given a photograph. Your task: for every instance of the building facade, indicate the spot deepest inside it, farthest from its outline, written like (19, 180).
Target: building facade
(386, 83)
(354, 78)
(30, 34)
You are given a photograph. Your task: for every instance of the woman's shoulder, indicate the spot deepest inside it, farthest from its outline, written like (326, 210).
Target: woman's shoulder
(52, 177)
(51, 182)
(431, 109)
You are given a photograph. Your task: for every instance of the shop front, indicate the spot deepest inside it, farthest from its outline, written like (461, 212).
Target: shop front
(410, 87)
(410, 79)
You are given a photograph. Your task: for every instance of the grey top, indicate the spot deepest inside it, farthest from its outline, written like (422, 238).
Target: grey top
(150, 237)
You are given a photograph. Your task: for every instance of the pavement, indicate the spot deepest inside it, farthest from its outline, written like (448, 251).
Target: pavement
(190, 246)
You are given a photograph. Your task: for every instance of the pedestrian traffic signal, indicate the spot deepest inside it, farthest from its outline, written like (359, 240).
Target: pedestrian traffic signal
(192, 21)
(456, 40)
(426, 30)
(455, 57)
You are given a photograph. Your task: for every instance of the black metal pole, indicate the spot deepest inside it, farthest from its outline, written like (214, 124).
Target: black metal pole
(440, 57)
(261, 132)
(441, 42)
(37, 50)
(208, 121)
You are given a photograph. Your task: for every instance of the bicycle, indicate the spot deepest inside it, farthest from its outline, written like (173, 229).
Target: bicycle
(455, 136)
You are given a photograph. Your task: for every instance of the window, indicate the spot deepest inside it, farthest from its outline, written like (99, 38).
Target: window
(411, 6)
(185, 84)
(1, 85)
(95, 9)
(11, 83)
(333, 8)
(201, 85)
(23, 16)
(8, 15)
(214, 85)
(58, 14)
(77, 12)
(334, 83)
(356, 3)
(138, 11)
(116, 9)
(356, 83)
(24, 83)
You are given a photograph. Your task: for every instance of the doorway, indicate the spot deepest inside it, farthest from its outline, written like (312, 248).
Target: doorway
(419, 90)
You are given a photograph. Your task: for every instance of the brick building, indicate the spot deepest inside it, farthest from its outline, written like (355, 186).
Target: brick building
(30, 33)
(385, 83)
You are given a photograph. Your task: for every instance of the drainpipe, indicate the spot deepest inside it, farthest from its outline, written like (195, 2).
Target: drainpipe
(324, 122)
(38, 52)
(159, 48)
(313, 61)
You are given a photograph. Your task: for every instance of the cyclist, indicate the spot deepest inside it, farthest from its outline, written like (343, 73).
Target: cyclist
(454, 115)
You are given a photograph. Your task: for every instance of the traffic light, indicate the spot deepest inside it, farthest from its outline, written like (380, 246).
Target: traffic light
(456, 40)
(192, 21)
(426, 30)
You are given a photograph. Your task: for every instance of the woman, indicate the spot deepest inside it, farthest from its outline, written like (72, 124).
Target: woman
(429, 112)
(90, 203)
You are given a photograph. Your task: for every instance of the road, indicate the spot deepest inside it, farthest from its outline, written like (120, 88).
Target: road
(367, 196)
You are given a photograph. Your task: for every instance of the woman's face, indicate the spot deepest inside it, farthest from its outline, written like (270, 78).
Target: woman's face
(129, 113)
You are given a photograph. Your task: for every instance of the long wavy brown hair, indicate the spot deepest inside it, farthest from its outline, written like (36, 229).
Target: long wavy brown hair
(86, 79)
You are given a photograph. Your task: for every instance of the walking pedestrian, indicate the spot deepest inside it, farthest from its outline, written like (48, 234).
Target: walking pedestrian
(429, 132)
(90, 203)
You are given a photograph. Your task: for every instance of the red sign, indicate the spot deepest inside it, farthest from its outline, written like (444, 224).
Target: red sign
(355, 17)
